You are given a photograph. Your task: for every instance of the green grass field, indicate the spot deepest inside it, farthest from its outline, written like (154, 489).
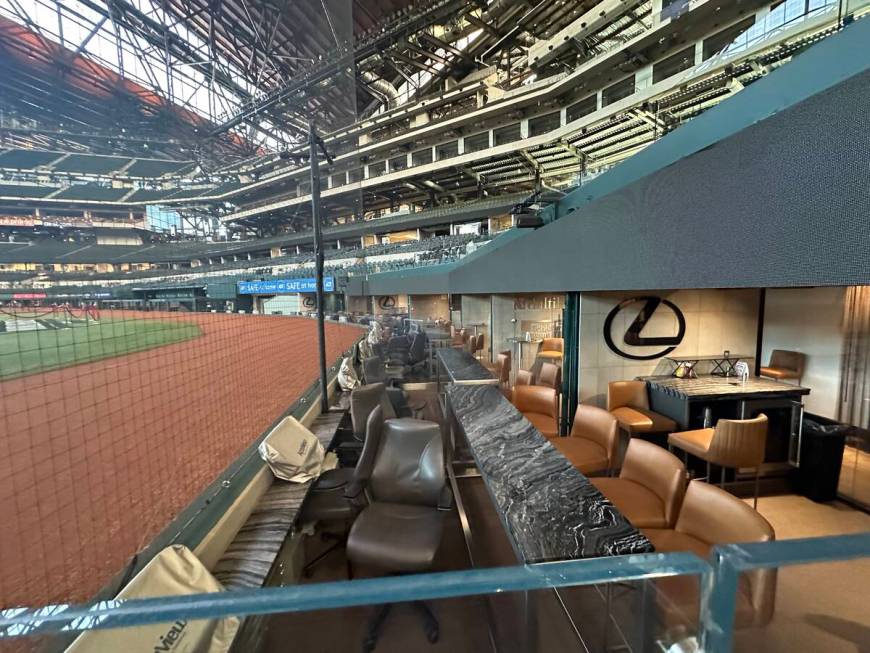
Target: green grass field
(29, 352)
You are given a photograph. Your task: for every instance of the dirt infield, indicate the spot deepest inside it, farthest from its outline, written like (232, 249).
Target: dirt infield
(97, 458)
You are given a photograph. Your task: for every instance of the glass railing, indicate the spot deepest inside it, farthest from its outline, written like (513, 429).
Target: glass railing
(790, 595)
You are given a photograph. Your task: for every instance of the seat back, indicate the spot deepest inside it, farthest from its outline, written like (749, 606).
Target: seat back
(524, 377)
(503, 367)
(373, 370)
(552, 344)
(409, 465)
(714, 516)
(550, 376)
(363, 400)
(363, 471)
(417, 352)
(479, 342)
(536, 399)
(739, 442)
(789, 360)
(627, 393)
(596, 424)
(658, 470)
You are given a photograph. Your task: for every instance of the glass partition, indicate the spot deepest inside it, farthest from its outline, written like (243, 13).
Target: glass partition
(578, 605)
(641, 602)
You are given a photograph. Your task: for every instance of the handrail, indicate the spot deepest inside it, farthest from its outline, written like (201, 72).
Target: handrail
(17, 622)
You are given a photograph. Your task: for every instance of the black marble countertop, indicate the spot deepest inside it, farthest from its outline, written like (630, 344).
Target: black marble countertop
(550, 510)
(719, 386)
(462, 367)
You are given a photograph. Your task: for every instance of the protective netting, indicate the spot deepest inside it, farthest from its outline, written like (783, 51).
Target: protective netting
(113, 421)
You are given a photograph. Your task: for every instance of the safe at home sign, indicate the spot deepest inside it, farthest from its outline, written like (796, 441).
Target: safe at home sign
(284, 286)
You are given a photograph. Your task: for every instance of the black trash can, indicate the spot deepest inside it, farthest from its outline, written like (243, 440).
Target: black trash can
(821, 457)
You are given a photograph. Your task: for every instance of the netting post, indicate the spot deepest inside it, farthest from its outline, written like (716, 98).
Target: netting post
(318, 261)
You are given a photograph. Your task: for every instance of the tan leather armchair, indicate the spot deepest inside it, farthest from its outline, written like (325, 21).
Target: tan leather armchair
(711, 516)
(785, 364)
(733, 443)
(650, 486)
(550, 376)
(591, 447)
(629, 403)
(540, 406)
(552, 349)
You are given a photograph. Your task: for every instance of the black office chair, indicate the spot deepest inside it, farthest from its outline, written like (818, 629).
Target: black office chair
(343, 503)
(400, 530)
(374, 370)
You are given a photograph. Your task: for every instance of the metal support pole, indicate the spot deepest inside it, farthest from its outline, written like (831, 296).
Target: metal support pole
(318, 261)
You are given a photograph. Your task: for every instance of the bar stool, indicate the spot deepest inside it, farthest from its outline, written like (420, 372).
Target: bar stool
(650, 486)
(629, 403)
(784, 365)
(591, 447)
(552, 350)
(540, 406)
(732, 443)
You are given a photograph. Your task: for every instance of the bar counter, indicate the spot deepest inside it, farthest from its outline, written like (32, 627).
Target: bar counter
(549, 509)
(463, 368)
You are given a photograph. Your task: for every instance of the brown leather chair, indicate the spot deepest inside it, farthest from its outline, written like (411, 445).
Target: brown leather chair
(502, 370)
(591, 447)
(785, 365)
(479, 343)
(524, 377)
(711, 516)
(629, 403)
(400, 530)
(650, 486)
(552, 349)
(550, 376)
(733, 443)
(540, 406)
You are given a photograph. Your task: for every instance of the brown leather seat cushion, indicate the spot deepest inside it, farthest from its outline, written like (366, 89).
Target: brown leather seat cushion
(395, 536)
(695, 442)
(585, 455)
(778, 373)
(638, 504)
(550, 354)
(544, 423)
(640, 420)
(333, 479)
(667, 540)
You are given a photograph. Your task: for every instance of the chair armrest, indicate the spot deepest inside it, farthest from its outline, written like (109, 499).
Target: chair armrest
(445, 501)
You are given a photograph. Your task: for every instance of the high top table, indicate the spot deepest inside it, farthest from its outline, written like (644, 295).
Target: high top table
(548, 509)
(699, 402)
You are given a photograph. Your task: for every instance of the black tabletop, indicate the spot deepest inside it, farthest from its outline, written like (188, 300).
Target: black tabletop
(462, 367)
(550, 510)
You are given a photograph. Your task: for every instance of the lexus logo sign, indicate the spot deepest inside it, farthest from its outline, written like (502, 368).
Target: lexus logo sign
(633, 335)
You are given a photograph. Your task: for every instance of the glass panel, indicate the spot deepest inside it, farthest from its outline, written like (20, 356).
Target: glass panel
(582, 108)
(543, 124)
(504, 135)
(447, 150)
(477, 142)
(617, 91)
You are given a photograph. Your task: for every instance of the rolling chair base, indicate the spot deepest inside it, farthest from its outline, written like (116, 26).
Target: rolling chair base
(373, 631)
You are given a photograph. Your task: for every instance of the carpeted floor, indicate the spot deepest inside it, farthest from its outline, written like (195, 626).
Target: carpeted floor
(819, 608)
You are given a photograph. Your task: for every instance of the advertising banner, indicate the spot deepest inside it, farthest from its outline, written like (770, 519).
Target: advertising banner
(284, 286)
